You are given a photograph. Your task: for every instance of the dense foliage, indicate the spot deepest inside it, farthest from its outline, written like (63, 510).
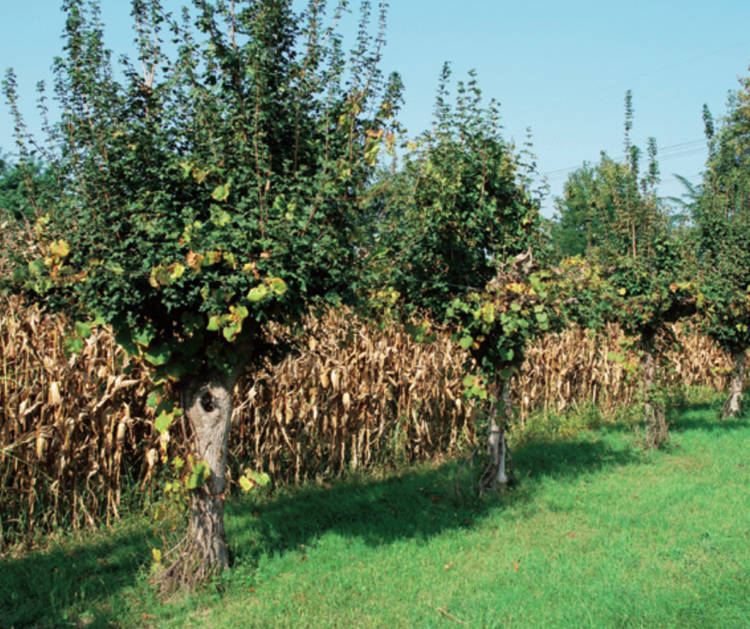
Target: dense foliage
(722, 219)
(456, 243)
(196, 201)
(638, 269)
(217, 196)
(459, 205)
(584, 210)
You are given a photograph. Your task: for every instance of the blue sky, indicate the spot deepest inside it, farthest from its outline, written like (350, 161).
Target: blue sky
(561, 68)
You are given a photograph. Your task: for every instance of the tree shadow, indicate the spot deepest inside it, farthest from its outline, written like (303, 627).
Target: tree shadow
(707, 418)
(86, 582)
(72, 585)
(418, 504)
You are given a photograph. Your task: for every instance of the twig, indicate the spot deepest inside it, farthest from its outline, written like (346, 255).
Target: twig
(451, 616)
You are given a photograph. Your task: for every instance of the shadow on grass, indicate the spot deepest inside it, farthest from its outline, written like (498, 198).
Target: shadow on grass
(417, 504)
(74, 585)
(85, 584)
(420, 503)
(705, 416)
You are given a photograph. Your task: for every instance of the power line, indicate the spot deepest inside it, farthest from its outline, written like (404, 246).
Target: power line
(561, 172)
(632, 78)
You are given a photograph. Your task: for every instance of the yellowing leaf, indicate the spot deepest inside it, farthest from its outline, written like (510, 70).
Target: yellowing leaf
(246, 483)
(221, 193)
(257, 293)
(213, 257)
(195, 260)
(277, 285)
(177, 271)
(257, 478)
(60, 248)
(200, 175)
(159, 276)
(156, 553)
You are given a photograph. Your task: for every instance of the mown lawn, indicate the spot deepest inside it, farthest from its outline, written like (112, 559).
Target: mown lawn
(597, 534)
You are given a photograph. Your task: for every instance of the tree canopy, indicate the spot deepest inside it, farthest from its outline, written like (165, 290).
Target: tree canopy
(212, 192)
(721, 215)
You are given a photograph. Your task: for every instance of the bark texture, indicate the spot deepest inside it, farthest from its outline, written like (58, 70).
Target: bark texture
(657, 432)
(499, 472)
(733, 405)
(207, 403)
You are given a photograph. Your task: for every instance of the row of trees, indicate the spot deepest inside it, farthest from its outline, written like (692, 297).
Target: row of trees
(243, 178)
(673, 261)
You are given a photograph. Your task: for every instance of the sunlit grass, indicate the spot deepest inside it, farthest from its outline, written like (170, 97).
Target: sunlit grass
(596, 534)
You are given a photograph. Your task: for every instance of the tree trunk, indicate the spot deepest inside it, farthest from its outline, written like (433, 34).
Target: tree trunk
(657, 433)
(733, 405)
(207, 403)
(499, 472)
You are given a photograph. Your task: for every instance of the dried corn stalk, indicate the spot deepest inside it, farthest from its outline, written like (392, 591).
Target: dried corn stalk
(71, 428)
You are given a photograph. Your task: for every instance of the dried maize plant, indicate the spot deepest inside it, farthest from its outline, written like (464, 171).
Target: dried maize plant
(578, 366)
(360, 395)
(697, 361)
(71, 428)
(67, 425)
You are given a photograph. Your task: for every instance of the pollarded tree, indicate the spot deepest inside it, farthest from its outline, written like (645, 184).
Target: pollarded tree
(204, 197)
(722, 219)
(639, 267)
(455, 243)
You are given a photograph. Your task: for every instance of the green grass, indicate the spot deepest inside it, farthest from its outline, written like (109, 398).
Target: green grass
(597, 534)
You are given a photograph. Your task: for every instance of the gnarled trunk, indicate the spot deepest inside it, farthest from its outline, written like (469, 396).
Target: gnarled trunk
(499, 472)
(206, 400)
(657, 432)
(733, 405)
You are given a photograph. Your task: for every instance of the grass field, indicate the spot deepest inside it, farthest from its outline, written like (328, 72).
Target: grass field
(597, 534)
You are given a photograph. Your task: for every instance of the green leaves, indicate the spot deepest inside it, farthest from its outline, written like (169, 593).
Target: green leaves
(83, 329)
(721, 213)
(221, 193)
(199, 475)
(214, 323)
(474, 387)
(258, 293)
(163, 421)
(252, 479)
(272, 286)
(230, 324)
(72, 345)
(158, 355)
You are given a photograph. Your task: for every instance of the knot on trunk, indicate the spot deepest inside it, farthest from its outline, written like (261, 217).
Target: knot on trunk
(207, 402)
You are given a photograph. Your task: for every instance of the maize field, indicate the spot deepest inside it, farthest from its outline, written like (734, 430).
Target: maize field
(76, 432)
